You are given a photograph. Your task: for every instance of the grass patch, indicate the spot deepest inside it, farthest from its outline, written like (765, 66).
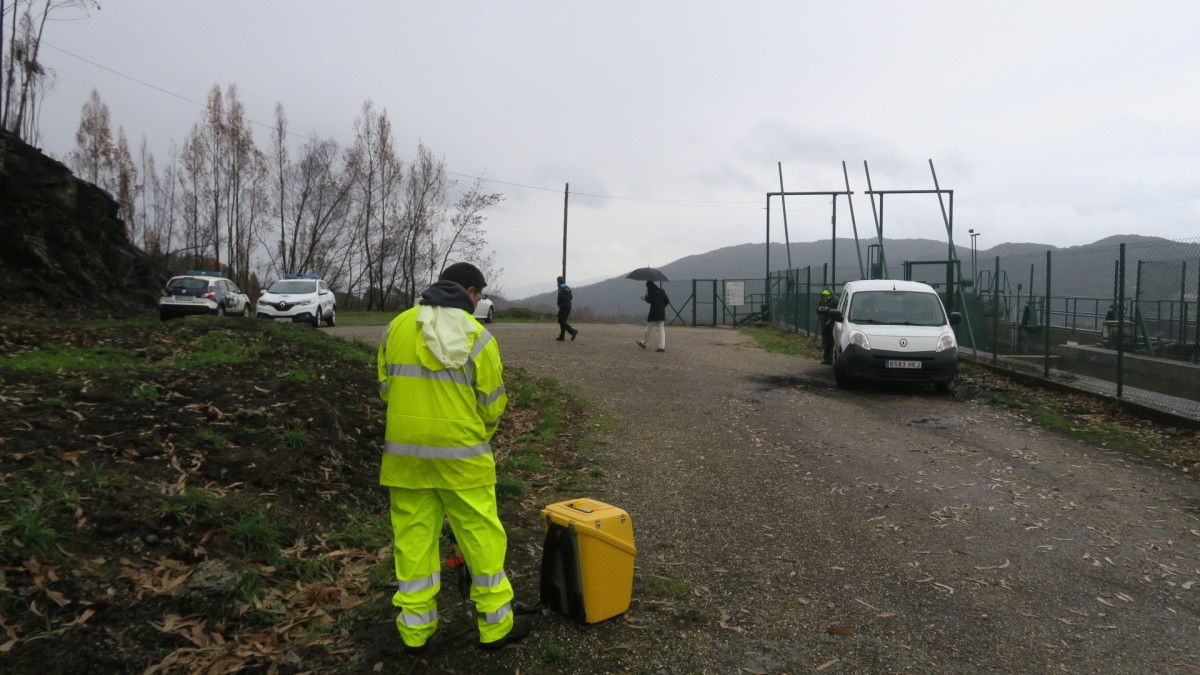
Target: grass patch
(188, 506)
(666, 588)
(220, 347)
(510, 488)
(358, 353)
(782, 342)
(53, 357)
(301, 375)
(361, 529)
(364, 318)
(211, 438)
(27, 524)
(1088, 419)
(95, 477)
(293, 438)
(256, 535)
(524, 458)
(554, 654)
(147, 393)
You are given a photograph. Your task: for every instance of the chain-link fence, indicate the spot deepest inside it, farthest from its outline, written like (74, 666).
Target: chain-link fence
(1121, 319)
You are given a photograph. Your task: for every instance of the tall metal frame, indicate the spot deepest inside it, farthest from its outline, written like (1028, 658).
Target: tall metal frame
(833, 195)
(877, 214)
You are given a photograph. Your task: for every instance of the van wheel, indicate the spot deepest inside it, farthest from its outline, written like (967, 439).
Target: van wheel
(840, 376)
(489, 316)
(947, 387)
(331, 320)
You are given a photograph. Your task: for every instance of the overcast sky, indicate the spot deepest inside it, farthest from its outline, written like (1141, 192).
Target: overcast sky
(1056, 122)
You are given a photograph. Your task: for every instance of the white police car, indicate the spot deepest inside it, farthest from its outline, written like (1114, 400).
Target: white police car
(298, 297)
(196, 292)
(485, 310)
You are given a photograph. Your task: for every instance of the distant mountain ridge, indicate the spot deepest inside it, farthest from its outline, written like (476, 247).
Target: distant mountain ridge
(620, 298)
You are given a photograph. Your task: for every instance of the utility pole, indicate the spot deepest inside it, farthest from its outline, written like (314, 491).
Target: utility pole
(566, 198)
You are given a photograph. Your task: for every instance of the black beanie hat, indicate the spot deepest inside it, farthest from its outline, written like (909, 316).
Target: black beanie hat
(465, 275)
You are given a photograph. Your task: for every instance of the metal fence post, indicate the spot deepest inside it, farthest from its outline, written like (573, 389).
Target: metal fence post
(694, 302)
(1046, 366)
(808, 306)
(715, 305)
(1136, 309)
(1121, 323)
(1183, 313)
(996, 310)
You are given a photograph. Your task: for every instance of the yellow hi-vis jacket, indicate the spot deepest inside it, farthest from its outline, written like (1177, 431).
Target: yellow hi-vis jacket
(440, 373)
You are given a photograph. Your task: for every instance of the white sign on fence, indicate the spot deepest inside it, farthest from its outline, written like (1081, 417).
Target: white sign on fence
(735, 293)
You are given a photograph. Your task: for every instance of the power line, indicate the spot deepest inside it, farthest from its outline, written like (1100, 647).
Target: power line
(647, 200)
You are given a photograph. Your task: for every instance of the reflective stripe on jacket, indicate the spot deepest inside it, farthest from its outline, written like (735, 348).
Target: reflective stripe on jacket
(439, 420)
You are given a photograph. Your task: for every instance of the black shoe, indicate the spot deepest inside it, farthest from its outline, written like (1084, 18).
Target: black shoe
(560, 338)
(522, 624)
(573, 334)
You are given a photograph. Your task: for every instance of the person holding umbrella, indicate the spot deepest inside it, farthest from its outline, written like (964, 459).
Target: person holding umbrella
(657, 316)
(658, 300)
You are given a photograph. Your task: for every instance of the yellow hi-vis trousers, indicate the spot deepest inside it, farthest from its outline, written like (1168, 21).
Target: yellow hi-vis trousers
(417, 530)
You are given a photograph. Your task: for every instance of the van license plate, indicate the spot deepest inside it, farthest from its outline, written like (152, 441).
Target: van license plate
(904, 364)
(283, 319)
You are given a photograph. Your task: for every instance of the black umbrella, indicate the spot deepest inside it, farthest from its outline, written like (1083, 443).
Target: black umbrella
(646, 274)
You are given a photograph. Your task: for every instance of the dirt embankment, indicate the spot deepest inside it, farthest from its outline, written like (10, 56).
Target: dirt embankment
(63, 245)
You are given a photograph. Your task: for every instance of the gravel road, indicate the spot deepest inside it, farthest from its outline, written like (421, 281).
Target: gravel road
(879, 530)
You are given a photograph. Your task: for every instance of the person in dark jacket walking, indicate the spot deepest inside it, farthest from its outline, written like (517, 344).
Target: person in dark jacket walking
(658, 300)
(564, 310)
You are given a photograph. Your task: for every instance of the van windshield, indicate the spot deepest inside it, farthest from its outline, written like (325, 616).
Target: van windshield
(897, 308)
(293, 286)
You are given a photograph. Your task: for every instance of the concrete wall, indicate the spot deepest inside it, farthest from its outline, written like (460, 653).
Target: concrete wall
(1165, 376)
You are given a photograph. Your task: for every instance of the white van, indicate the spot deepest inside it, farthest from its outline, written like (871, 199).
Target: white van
(894, 330)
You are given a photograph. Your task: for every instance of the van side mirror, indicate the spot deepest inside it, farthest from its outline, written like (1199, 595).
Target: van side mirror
(835, 314)
(955, 317)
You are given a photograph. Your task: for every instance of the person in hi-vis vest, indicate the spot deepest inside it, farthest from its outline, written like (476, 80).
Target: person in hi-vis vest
(441, 376)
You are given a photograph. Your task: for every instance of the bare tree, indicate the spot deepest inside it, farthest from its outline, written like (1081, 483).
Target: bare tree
(92, 158)
(281, 166)
(193, 184)
(125, 186)
(244, 186)
(214, 155)
(465, 238)
(318, 190)
(377, 174)
(24, 71)
(424, 208)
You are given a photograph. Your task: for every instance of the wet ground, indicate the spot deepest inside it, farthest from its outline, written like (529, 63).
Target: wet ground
(812, 528)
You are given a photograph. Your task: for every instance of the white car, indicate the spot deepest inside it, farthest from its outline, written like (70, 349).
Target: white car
(298, 297)
(195, 292)
(485, 310)
(894, 330)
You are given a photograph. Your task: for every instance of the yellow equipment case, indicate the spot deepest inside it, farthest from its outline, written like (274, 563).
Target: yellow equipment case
(587, 560)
